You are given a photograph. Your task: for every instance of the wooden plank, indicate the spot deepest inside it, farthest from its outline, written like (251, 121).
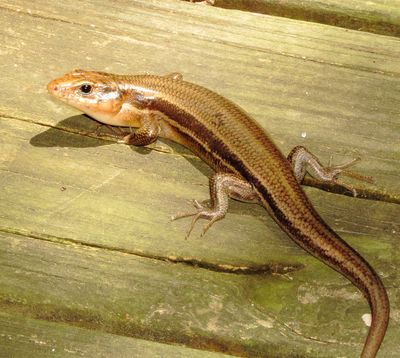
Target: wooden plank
(128, 200)
(66, 194)
(21, 337)
(109, 291)
(378, 16)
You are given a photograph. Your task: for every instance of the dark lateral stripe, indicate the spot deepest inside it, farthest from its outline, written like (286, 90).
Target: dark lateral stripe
(207, 142)
(277, 213)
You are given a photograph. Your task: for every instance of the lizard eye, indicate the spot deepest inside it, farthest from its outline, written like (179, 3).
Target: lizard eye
(85, 89)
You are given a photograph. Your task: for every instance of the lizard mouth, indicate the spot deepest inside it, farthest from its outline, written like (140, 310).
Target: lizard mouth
(56, 89)
(60, 90)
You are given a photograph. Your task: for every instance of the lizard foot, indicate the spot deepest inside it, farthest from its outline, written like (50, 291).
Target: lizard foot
(202, 212)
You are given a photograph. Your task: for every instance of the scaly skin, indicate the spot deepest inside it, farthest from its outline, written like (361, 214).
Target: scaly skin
(226, 138)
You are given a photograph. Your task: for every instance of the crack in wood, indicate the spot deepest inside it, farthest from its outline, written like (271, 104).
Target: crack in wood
(267, 269)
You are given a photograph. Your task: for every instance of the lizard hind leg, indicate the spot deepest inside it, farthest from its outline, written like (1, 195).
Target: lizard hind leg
(303, 161)
(222, 187)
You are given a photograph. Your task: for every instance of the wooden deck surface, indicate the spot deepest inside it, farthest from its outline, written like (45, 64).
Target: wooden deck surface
(90, 264)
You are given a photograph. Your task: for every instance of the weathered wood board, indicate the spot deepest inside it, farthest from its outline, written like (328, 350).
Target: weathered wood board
(378, 16)
(85, 236)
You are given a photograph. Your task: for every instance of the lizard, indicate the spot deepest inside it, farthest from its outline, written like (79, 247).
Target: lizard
(248, 165)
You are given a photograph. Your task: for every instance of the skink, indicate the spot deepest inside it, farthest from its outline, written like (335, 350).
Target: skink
(247, 164)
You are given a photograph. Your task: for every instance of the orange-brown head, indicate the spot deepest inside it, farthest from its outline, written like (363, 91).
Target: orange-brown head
(95, 93)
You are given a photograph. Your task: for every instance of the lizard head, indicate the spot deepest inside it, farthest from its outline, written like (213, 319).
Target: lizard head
(95, 93)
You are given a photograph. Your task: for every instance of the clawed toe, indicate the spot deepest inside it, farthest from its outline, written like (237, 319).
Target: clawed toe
(202, 212)
(196, 204)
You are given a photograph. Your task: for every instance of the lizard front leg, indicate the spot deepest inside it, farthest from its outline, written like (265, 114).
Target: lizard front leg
(146, 133)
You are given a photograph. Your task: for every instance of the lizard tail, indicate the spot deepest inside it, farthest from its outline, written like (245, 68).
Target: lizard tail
(379, 303)
(311, 233)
